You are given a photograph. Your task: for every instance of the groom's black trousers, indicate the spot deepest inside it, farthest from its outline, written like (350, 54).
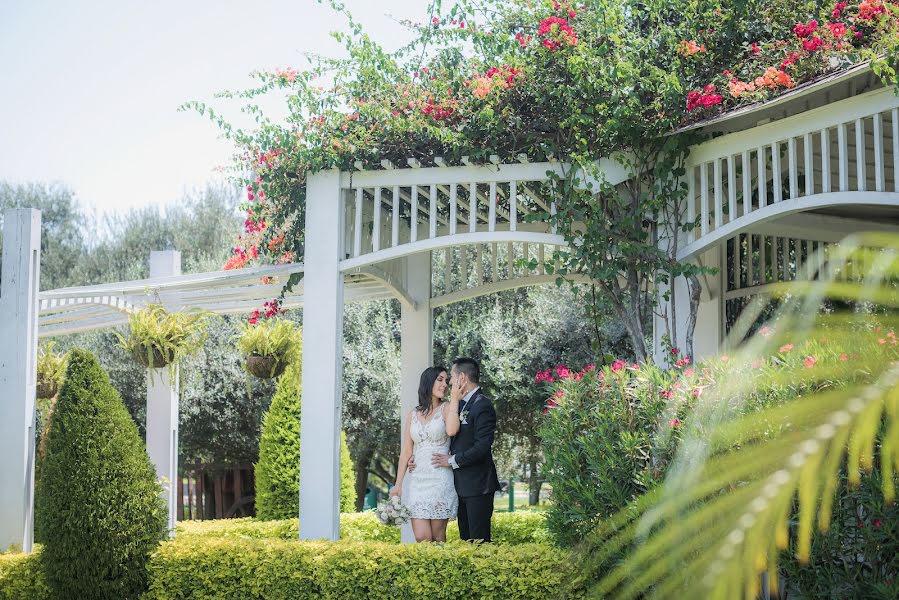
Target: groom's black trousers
(474, 517)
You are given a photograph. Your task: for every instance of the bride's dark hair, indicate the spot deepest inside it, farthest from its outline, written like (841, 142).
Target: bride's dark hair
(426, 388)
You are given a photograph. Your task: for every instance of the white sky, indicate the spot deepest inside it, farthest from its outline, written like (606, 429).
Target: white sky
(89, 89)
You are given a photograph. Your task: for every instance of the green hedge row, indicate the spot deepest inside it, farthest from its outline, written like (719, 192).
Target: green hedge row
(207, 567)
(508, 528)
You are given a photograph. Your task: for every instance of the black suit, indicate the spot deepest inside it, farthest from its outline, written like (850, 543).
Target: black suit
(475, 477)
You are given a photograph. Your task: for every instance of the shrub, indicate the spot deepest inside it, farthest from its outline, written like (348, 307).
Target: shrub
(278, 469)
(98, 504)
(599, 445)
(250, 568)
(22, 577)
(508, 528)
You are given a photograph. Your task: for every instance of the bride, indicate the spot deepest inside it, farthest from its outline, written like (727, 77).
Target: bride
(430, 492)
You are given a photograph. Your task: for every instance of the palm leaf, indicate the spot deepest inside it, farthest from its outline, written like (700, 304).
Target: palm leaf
(723, 516)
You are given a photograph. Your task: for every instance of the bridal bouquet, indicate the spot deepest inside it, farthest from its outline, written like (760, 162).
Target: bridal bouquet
(393, 512)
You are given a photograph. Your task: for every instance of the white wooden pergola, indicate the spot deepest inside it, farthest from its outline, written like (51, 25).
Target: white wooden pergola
(369, 235)
(833, 145)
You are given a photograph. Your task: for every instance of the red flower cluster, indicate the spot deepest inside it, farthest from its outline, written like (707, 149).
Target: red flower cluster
(705, 98)
(812, 44)
(869, 10)
(437, 110)
(269, 309)
(683, 362)
(838, 9)
(556, 33)
(804, 30)
(522, 39)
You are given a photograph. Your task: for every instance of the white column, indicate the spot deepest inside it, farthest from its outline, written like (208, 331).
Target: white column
(416, 341)
(18, 374)
(162, 407)
(322, 359)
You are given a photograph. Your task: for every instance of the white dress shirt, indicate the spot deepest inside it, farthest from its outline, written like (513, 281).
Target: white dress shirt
(468, 396)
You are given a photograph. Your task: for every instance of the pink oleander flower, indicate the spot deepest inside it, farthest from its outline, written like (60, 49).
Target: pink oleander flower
(809, 362)
(674, 423)
(618, 365)
(786, 348)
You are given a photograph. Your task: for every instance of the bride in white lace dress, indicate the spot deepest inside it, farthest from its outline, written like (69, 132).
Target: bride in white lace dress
(429, 491)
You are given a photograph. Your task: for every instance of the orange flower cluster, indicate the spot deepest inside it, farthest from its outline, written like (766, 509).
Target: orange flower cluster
(690, 47)
(772, 78)
(738, 88)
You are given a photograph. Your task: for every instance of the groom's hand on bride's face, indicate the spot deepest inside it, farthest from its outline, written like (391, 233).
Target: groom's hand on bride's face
(439, 459)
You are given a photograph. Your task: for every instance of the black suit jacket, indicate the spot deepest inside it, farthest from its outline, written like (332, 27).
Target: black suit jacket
(472, 446)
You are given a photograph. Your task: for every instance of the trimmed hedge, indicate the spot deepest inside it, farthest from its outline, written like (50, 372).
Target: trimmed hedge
(278, 470)
(508, 528)
(231, 565)
(208, 568)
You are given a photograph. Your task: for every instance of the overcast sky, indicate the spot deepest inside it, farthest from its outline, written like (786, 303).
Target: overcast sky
(89, 90)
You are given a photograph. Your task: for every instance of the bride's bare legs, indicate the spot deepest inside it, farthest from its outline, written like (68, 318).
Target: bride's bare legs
(438, 530)
(422, 530)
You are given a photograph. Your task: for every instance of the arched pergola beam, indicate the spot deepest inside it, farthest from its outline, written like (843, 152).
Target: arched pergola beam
(772, 212)
(499, 286)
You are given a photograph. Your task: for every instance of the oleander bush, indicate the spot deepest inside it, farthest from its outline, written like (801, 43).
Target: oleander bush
(508, 528)
(97, 505)
(278, 470)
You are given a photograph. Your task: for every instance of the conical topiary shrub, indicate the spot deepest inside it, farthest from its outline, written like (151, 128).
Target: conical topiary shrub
(98, 504)
(278, 470)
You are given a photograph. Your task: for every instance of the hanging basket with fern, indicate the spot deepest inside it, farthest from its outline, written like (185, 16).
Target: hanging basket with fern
(269, 347)
(50, 369)
(158, 338)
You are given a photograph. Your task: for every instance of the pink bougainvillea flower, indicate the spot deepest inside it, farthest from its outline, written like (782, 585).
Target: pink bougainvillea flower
(804, 30)
(786, 348)
(809, 362)
(690, 47)
(754, 48)
(838, 30)
(675, 351)
(812, 44)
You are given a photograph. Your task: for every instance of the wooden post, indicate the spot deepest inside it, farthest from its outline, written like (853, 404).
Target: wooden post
(18, 374)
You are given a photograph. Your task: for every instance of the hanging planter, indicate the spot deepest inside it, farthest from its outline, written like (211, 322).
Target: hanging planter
(157, 338)
(269, 347)
(50, 369)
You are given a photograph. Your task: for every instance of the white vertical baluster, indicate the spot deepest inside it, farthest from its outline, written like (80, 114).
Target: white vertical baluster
(395, 224)
(491, 199)
(376, 222)
(843, 156)
(895, 119)
(717, 189)
(731, 189)
(479, 264)
(472, 207)
(747, 183)
(513, 205)
(763, 261)
(691, 203)
(494, 261)
(453, 208)
(878, 153)
(776, 179)
(413, 221)
(793, 168)
(861, 176)
(763, 177)
(357, 224)
(825, 161)
(448, 271)
(797, 259)
(703, 199)
(432, 213)
(463, 267)
(809, 165)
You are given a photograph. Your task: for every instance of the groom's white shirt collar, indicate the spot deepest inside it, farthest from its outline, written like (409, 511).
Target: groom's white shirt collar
(465, 399)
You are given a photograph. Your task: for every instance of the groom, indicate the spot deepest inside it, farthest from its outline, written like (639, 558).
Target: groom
(470, 454)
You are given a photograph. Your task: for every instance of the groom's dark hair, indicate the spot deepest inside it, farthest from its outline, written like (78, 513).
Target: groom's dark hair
(470, 367)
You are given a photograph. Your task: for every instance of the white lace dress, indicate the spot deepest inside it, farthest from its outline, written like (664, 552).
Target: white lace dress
(429, 491)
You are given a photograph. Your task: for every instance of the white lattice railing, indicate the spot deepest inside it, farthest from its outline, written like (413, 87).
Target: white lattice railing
(821, 157)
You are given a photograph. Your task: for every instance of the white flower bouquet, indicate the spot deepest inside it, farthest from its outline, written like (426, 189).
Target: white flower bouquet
(393, 512)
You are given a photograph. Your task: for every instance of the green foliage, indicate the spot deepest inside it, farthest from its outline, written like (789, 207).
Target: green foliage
(508, 528)
(278, 470)
(22, 576)
(600, 445)
(157, 338)
(51, 366)
(276, 338)
(98, 507)
(230, 568)
(750, 482)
